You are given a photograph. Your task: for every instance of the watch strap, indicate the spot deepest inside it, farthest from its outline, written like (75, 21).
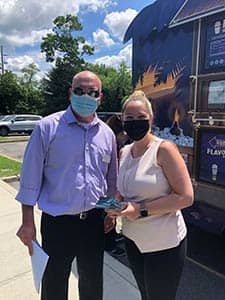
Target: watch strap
(143, 210)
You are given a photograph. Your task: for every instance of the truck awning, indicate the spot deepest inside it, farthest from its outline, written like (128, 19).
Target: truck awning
(192, 10)
(155, 16)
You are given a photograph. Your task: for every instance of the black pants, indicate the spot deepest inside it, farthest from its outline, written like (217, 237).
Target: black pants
(157, 273)
(63, 239)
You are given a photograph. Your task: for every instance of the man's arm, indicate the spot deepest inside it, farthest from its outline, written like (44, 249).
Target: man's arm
(27, 231)
(30, 186)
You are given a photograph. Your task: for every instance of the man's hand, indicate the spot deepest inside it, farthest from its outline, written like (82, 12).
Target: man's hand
(109, 223)
(27, 233)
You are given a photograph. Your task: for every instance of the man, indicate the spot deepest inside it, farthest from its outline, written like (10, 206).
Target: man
(70, 161)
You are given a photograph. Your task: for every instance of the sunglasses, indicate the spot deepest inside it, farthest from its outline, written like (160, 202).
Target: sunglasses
(92, 92)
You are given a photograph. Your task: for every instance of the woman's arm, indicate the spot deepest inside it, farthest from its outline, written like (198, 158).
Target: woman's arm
(176, 172)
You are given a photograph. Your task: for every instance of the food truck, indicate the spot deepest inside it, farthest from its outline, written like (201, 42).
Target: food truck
(178, 60)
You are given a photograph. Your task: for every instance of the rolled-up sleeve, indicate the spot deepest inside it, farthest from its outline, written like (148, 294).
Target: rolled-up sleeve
(32, 169)
(113, 170)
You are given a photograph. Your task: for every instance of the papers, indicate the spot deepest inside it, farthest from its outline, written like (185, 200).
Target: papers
(39, 261)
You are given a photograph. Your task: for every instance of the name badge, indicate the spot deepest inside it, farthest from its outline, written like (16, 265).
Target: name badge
(106, 158)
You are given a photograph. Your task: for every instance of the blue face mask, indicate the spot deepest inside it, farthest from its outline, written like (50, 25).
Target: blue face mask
(84, 105)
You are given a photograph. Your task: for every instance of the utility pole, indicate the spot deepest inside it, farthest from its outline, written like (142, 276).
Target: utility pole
(2, 62)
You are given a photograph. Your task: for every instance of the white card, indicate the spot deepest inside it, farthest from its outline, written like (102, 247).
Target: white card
(106, 158)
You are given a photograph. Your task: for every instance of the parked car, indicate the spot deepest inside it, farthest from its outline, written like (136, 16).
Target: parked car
(18, 123)
(104, 116)
(3, 117)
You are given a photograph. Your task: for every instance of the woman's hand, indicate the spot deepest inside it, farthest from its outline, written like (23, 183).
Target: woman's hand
(131, 212)
(109, 223)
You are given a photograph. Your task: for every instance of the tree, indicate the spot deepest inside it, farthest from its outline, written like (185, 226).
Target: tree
(32, 102)
(10, 93)
(116, 85)
(29, 74)
(55, 87)
(67, 50)
(19, 98)
(63, 41)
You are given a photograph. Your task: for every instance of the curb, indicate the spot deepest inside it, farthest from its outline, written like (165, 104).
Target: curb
(15, 140)
(11, 158)
(11, 178)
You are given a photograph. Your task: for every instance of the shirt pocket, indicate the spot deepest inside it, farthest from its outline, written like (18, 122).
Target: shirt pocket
(104, 160)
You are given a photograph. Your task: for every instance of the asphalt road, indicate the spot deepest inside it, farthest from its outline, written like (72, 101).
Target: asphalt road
(13, 149)
(204, 272)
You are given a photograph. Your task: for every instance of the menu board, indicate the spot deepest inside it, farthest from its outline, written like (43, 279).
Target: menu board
(210, 160)
(215, 45)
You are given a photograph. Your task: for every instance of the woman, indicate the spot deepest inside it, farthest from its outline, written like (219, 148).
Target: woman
(154, 182)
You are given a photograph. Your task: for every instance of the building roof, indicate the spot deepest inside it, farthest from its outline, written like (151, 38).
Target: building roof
(192, 10)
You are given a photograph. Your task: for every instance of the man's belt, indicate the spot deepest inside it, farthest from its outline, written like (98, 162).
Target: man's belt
(84, 214)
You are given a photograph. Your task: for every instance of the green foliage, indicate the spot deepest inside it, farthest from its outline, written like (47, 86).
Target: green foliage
(17, 97)
(32, 102)
(116, 84)
(28, 75)
(55, 87)
(63, 40)
(10, 93)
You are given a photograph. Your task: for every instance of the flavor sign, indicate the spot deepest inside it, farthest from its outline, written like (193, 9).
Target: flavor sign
(210, 165)
(215, 45)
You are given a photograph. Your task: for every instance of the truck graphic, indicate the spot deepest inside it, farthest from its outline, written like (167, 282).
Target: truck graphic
(178, 60)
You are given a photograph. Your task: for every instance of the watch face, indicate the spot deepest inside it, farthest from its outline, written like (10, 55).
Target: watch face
(144, 212)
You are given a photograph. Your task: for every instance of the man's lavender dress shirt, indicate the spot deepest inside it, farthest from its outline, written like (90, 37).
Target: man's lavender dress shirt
(68, 165)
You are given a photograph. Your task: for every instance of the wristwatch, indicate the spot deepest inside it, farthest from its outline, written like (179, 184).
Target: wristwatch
(143, 209)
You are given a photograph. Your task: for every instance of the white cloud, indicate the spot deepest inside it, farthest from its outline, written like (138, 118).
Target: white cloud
(15, 64)
(115, 60)
(118, 22)
(22, 17)
(95, 5)
(102, 39)
(30, 40)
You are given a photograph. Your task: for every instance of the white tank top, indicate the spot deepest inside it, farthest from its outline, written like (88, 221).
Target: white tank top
(142, 178)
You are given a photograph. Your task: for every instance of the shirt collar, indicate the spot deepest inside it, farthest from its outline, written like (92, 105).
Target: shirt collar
(70, 118)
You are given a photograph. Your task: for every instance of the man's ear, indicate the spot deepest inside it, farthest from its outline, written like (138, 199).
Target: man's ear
(69, 93)
(100, 99)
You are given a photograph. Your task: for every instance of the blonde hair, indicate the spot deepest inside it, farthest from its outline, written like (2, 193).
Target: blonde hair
(139, 96)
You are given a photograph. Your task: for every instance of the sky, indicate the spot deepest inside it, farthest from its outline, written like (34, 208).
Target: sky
(23, 23)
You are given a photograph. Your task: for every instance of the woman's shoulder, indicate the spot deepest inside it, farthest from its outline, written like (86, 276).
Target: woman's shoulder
(167, 145)
(124, 150)
(167, 150)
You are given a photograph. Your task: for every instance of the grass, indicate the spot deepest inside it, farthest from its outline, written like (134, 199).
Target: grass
(9, 167)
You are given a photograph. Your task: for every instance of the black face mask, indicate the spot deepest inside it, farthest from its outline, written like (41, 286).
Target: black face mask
(136, 129)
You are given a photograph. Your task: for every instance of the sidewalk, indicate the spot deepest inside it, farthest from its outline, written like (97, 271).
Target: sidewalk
(16, 282)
